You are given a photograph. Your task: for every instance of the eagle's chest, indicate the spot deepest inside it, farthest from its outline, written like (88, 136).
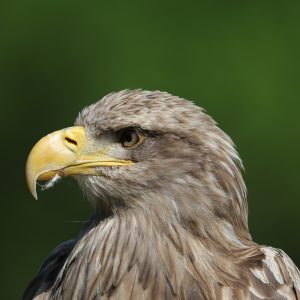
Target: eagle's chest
(114, 262)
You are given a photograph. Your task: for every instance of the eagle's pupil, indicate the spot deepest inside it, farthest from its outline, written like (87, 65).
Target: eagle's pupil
(129, 137)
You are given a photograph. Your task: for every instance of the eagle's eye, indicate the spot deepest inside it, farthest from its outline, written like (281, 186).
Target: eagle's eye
(131, 138)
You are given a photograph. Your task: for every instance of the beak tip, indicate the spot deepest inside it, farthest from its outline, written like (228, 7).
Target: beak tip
(31, 184)
(33, 192)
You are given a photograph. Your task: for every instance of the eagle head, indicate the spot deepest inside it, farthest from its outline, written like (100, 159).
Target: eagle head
(151, 152)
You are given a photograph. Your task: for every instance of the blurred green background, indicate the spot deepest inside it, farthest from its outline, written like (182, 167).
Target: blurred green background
(237, 59)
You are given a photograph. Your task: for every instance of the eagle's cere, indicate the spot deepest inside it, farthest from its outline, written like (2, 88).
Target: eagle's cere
(170, 208)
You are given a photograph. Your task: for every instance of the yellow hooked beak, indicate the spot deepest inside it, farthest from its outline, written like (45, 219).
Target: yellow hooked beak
(66, 152)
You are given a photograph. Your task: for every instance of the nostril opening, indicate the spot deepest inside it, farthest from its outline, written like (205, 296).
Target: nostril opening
(71, 141)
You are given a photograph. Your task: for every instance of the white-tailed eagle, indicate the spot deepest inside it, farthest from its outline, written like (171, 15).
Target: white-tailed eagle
(170, 205)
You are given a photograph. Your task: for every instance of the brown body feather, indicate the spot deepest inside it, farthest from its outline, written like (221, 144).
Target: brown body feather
(174, 226)
(118, 259)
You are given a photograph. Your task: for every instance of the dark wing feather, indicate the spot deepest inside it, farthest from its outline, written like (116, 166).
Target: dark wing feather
(49, 270)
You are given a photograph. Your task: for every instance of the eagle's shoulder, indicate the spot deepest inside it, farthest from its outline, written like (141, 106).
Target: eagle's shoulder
(277, 277)
(109, 261)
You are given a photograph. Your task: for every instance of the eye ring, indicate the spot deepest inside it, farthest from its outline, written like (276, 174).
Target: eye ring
(131, 138)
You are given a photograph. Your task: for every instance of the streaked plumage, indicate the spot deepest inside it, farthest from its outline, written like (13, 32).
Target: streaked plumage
(171, 226)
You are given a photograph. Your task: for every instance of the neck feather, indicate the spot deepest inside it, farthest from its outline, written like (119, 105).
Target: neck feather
(131, 242)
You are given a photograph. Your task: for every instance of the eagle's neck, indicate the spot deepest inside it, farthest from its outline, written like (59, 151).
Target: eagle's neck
(205, 210)
(129, 242)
